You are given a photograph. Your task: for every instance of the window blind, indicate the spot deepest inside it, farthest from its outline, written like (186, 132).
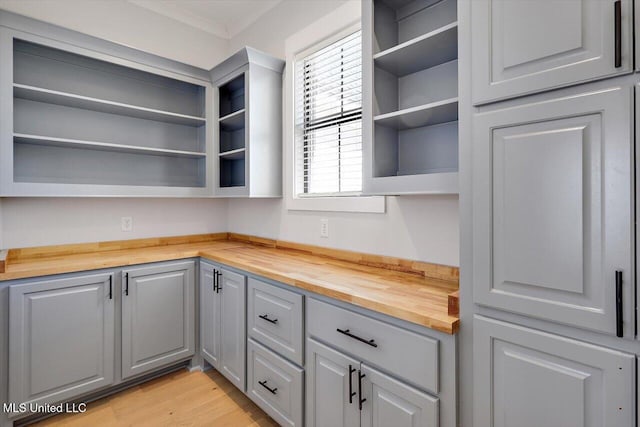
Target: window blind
(328, 143)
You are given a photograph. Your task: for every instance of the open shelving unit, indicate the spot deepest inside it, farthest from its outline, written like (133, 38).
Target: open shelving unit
(249, 142)
(411, 110)
(85, 126)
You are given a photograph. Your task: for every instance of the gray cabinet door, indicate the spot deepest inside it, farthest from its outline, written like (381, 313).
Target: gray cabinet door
(332, 385)
(209, 316)
(157, 316)
(233, 323)
(552, 216)
(527, 378)
(526, 46)
(61, 338)
(392, 403)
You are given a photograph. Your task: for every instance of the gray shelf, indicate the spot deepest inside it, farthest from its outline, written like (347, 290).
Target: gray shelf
(38, 94)
(102, 146)
(233, 121)
(425, 51)
(233, 154)
(424, 115)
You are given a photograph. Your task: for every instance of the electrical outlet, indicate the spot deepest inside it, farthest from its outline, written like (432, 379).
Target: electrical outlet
(324, 227)
(126, 223)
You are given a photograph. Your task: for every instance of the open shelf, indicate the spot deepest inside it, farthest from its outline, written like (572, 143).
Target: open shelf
(102, 146)
(423, 115)
(233, 121)
(38, 94)
(233, 154)
(425, 51)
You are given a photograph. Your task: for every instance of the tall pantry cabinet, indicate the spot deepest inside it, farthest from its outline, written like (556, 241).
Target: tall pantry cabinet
(549, 206)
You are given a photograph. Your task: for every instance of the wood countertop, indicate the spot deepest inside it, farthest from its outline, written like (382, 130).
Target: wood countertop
(399, 288)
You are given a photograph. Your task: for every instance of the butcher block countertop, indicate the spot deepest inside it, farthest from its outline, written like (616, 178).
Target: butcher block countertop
(414, 291)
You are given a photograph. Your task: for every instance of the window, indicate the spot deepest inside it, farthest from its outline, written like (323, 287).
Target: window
(328, 117)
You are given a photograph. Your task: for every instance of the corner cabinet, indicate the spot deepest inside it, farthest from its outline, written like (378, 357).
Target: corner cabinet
(248, 125)
(54, 357)
(77, 119)
(158, 316)
(410, 96)
(223, 321)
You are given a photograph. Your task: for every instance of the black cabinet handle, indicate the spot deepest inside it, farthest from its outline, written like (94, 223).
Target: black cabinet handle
(126, 287)
(215, 285)
(110, 287)
(217, 274)
(346, 332)
(617, 13)
(266, 317)
(264, 384)
(351, 392)
(619, 320)
(360, 399)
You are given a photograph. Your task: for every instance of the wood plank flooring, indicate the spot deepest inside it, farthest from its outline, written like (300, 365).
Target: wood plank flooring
(180, 398)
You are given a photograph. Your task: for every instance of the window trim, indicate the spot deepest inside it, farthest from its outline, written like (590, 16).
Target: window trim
(343, 21)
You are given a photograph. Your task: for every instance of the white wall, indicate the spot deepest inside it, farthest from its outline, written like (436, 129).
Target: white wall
(128, 24)
(415, 227)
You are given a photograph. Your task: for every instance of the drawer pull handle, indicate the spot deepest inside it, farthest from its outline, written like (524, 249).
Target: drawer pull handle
(351, 392)
(346, 332)
(271, 390)
(110, 287)
(360, 399)
(266, 317)
(126, 289)
(216, 281)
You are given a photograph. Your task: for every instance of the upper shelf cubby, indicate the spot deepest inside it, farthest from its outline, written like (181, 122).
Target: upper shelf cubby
(414, 35)
(55, 70)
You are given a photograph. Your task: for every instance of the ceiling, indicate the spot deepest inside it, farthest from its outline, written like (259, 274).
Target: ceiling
(223, 18)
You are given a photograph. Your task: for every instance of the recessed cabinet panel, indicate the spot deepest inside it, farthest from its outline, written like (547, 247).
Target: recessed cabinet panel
(331, 379)
(233, 324)
(553, 223)
(525, 46)
(530, 379)
(157, 316)
(54, 357)
(210, 329)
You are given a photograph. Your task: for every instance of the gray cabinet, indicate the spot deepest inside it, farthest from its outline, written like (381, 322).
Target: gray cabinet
(233, 327)
(223, 321)
(209, 315)
(331, 386)
(553, 209)
(157, 316)
(248, 130)
(524, 46)
(527, 378)
(343, 392)
(392, 403)
(61, 339)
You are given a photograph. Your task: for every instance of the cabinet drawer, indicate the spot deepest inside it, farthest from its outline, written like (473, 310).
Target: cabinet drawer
(274, 384)
(403, 353)
(274, 318)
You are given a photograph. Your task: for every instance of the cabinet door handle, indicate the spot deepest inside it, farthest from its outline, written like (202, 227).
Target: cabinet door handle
(266, 317)
(619, 320)
(360, 399)
(215, 285)
(264, 384)
(346, 332)
(617, 13)
(110, 287)
(217, 274)
(126, 286)
(351, 392)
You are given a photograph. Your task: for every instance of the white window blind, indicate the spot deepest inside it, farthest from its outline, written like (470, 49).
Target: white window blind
(328, 143)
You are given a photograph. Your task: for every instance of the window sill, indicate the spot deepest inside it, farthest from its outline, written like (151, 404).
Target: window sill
(360, 204)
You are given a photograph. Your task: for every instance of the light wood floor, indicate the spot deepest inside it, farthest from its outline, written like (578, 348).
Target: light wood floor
(181, 398)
